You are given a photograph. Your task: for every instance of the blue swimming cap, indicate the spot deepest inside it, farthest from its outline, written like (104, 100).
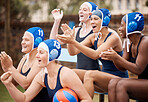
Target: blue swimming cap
(134, 23)
(104, 14)
(92, 6)
(38, 34)
(53, 47)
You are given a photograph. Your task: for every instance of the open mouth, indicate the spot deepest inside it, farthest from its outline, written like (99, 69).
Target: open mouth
(93, 26)
(81, 16)
(24, 46)
(39, 60)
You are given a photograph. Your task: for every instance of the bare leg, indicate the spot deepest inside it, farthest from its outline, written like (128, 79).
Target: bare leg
(112, 89)
(80, 73)
(100, 79)
(133, 88)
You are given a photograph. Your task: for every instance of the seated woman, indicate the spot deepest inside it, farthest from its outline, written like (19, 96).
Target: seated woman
(102, 39)
(54, 76)
(27, 67)
(135, 59)
(83, 62)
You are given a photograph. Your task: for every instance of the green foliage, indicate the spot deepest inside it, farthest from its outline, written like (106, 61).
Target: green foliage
(19, 10)
(4, 94)
(74, 5)
(102, 4)
(52, 5)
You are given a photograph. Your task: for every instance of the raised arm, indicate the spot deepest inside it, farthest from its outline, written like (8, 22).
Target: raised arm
(57, 15)
(17, 95)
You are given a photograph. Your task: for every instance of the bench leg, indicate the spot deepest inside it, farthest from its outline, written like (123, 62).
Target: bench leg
(101, 98)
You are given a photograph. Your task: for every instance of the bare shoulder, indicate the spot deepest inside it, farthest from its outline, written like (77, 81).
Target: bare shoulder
(114, 35)
(144, 43)
(113, 32)
(67, 72)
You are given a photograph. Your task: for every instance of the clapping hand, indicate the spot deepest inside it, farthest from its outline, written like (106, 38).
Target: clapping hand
(6, 78)
(69, 34)
(110, 54)
(6, 61)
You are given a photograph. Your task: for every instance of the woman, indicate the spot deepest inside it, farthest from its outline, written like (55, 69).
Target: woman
(102, 39)
(28, 67)
(85, 29)
(54, 77)
(135, 59)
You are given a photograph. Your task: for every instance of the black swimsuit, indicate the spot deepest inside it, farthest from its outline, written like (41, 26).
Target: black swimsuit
(84, 62)
(51, 92)
(144, 74)
(42, 95)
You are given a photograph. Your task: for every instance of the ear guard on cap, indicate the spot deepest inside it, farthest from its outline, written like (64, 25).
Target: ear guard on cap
(106, 21)
(132, 26)
(106, 16)
(37, 41)
(55, 51)
(53, 54)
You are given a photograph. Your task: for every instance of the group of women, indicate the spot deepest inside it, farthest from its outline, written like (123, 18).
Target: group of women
(41, 75)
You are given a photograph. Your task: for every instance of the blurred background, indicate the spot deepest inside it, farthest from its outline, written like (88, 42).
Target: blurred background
(16, 16)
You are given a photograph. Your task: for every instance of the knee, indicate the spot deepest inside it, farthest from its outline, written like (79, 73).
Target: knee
(112, 84)
(121, 85)
(88, 76)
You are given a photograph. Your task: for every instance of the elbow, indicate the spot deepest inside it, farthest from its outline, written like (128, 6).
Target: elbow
(95, 57)
(71, 54)
(25, 85)
(138, 71)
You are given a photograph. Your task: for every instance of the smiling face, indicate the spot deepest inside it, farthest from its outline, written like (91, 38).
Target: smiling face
(42, 57)
(84, 13)
(96, 23)
(122, 29)
(27, 43)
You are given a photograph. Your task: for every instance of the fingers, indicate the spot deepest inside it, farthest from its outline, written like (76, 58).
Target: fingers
(67, 27)
(3, 55)
(61, 38)
(62, 13)
(63, 27)
(55, 10)
(73, 33)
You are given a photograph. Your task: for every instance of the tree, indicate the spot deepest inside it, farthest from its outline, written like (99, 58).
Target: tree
(19, 10)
